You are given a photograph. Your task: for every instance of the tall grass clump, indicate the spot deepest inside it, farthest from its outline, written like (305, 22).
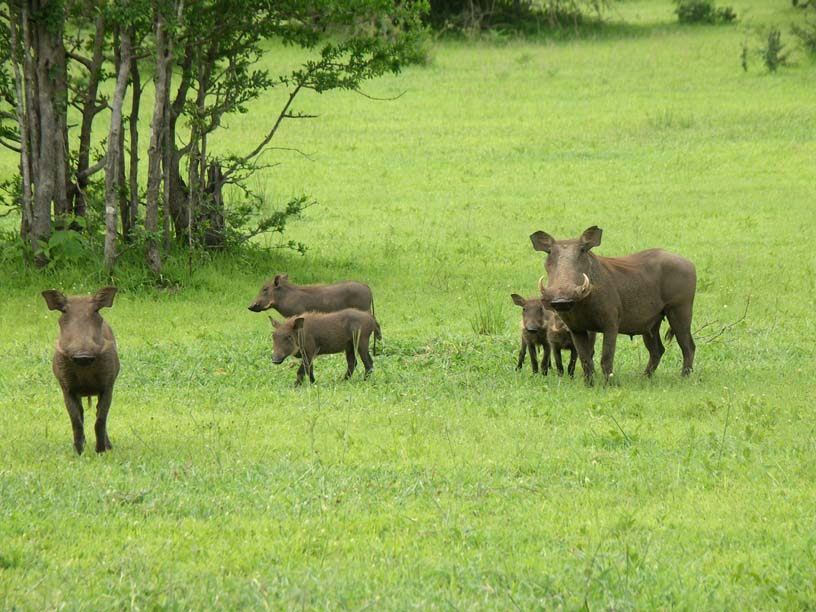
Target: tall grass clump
(703, 11)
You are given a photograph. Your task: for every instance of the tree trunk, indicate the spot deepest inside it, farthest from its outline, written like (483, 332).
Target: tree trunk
(136, 93)
(15, 25)
(178, 191)
(49, 103)
(158, 126)
(213, 213)
(90, 108)
(113, 179)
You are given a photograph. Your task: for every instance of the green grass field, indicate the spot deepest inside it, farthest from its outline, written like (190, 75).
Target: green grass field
(449, 480)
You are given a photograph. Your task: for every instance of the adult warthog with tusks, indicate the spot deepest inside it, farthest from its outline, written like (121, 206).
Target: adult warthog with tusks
(618, 295)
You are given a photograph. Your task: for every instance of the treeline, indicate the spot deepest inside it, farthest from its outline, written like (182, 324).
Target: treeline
(72, 69)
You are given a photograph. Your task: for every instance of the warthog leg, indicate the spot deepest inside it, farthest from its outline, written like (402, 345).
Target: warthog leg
(103, 404)
(73, 403)
(351, 360)
(584, 344)
(522, 354)
(655, 348)
(559, 364)
(680, 322)
(610, 338)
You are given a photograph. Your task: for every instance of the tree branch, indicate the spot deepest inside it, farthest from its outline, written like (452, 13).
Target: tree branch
(284, 114)
(717, 333)
(389, 99)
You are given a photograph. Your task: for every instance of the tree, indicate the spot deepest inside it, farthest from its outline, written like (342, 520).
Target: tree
(204, 58)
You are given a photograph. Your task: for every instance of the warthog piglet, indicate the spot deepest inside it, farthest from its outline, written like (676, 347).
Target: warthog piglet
(313, 333)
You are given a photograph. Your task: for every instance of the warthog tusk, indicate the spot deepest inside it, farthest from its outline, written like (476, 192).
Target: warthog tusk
(585, 287)
(541, 284)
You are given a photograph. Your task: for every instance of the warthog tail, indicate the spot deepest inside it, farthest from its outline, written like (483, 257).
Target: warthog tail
(377, 333)
(669, 335)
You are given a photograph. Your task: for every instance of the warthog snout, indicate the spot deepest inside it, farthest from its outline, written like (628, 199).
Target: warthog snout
(562, 305)
(83, 359)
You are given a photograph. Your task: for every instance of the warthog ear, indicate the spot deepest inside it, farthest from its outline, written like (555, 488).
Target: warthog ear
(298, 324)
(104, 297)
(517, 299)
(274, 322)
(280, 279)
(542, 241)
(55, 300)
(591, 237)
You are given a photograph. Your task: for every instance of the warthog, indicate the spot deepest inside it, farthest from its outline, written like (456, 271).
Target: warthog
(314, 333)
(627, 295)
(559, 338)
(290, 299)
(85, 360)
(534, 321)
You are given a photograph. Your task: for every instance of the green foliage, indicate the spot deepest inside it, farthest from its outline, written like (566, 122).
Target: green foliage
(66, 246)
(773, 54)
(703, 11)
(526, 16)
(488, 317)
(806, 30)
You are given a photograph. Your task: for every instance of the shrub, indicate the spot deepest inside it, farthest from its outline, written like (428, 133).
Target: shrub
(513, 15)
(774, 55)
(703, 11)
(806, 32)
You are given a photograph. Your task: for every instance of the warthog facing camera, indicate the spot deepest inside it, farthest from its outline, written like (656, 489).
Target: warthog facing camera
(534, 321)
(618, 295)
(85, 362)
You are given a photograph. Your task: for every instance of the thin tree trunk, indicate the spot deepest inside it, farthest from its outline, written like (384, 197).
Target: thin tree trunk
(113, 179)
(22, 120)
(179, 193)
(136, 84)
(89, 112)
(59, 138)
(155, 149)
(166, 160)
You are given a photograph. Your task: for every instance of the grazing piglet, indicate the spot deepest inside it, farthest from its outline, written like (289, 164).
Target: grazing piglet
(85, 359)
(559, 338)
(315, 333)
(534, 324)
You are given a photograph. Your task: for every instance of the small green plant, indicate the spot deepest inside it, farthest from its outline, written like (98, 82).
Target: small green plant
(806, 32)
(488, 319)
(774, 54)
(66, 246)
(703, 11)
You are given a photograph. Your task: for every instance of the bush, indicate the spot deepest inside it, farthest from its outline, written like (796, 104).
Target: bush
(773, 54)
(513, 15)
(806, 33)
(703, 11)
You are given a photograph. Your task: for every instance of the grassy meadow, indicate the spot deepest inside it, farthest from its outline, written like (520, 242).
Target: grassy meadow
(449, 479)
